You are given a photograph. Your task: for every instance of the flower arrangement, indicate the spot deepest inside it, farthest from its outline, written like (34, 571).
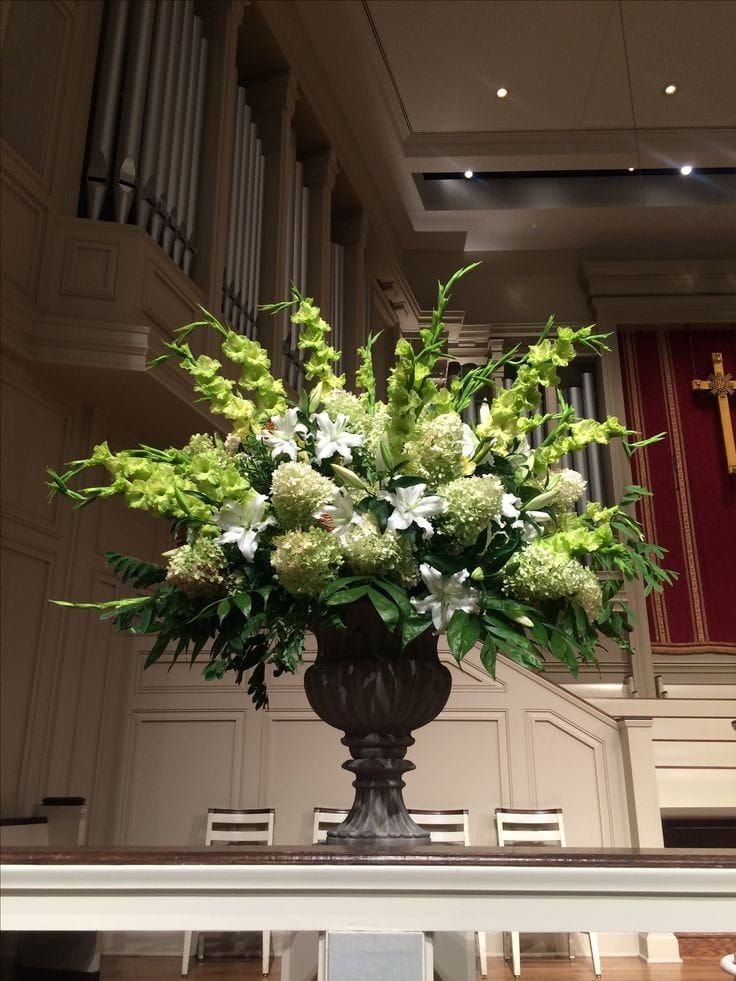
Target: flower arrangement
(304, 508)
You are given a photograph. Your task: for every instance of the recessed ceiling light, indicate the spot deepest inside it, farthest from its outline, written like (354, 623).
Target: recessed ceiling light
(686, 170)
(502, 92)
(468, 174)
(670, 89)
(631, 170)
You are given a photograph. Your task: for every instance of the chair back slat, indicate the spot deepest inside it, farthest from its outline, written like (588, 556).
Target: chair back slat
(324, 819)
(252, 826)
(530, 827)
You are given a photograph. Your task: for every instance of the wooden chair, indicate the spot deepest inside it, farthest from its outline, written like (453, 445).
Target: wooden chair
(517, 826)
(324, 819)
(451, 828)
(251, 826)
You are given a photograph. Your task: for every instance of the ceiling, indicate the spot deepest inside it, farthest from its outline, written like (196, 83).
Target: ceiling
(417, 80)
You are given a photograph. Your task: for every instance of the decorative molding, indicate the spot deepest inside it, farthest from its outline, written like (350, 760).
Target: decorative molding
(23, 232)
(321, 168)
(660, 278)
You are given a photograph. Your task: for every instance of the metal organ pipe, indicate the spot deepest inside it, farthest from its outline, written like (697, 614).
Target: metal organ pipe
(235, 178)
(254, 238)
(248, 216)
(100, 164)
(154, 108)
(238, 298)
(593, 450)
(196, 158)
(180, 194)
(127, 169)
(579, 460)
(259, 229)
(166, 131)
(184, 68)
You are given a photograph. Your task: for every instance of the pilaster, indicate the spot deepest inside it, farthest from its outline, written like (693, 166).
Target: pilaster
(273, 101)
(645, 821)
(351, 231)
(320, 172)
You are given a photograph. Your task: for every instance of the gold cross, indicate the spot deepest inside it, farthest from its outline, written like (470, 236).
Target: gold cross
(721, 386)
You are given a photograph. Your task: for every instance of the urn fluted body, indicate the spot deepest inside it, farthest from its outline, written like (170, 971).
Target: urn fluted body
(364, 684)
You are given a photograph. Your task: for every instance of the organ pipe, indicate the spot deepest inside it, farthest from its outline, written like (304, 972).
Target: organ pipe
(127, 169)
(99, 167)
(166, 131)
(154, 108)
(593, 450)
(235, 178)
(579, 459)
(259, 229)
(149, 111)
(196, 158)
(180, 192)
(184, 71)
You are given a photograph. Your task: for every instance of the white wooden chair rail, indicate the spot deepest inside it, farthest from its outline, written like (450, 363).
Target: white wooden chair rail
(228, 827)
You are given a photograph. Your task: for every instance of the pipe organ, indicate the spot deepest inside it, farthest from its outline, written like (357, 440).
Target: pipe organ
(145, 139)
(245, 223)
(337, 306)
(581, 395)
(298, 223)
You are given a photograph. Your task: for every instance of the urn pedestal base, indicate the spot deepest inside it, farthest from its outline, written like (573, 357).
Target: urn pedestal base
(364, 684)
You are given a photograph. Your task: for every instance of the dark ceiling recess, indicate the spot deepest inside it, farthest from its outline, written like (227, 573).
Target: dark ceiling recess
(500, 175)
(544, 189)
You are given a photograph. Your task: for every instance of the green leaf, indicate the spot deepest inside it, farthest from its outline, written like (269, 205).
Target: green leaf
(412, 628)
(385, 607)
(463, 632)
(243, 603)
(223, 608)
(347, 596)
(488, 655)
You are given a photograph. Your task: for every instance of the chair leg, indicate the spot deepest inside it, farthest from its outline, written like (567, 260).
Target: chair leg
(321, 957)
(595, 953)
(515, 955)
(200, 946)
(428, 957)
(266, 952)
(186, 953)
(482, 954)
(570, 955)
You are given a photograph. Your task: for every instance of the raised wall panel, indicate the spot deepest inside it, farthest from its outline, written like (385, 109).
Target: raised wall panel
(35, 54)
(568, 767)
(462, 760)
(90, 269)
(179, 765)
(303, 771)
(35, 434)
(26, 579)
(21, 236)
(687, 787)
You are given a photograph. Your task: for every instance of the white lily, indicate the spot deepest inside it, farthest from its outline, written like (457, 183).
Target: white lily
(242, 522)
(510, 509)
(280, 437)
(446, 594)
(412, 507)
(339, 516)
(332, 437)
(470, 441)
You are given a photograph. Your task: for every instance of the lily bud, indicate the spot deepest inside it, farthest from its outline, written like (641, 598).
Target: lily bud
(547, 497)
(349, 477)
(477, 574)
(524, 621)
(315, 397)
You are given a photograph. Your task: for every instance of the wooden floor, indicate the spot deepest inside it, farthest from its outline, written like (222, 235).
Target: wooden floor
(614, 969)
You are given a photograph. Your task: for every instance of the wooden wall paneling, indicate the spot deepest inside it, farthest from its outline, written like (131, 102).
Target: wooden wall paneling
(569, 769)
(179, 764)
(22, 235)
